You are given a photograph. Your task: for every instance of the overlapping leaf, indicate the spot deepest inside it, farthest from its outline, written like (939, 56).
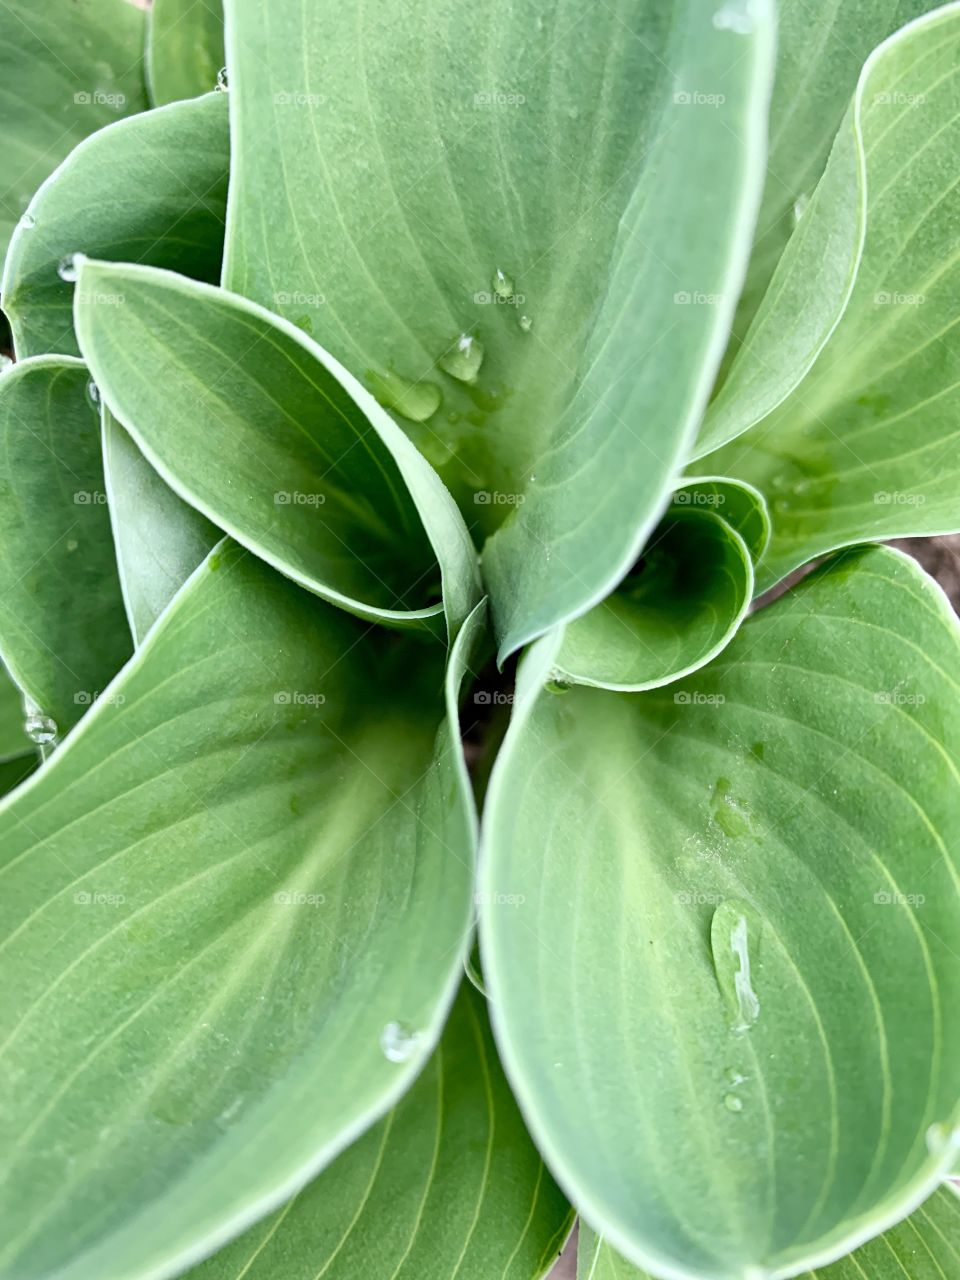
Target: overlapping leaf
(684, 601)
(159, 539)
(448, 1184)
(729, 1006)
(925, 1246)
(17, 752)
(821, 48)
(240, 894)
(865, 444)
(261, 431)
(67, 68)
(503, 220)
(184, 48)
(63, 632)
(151, 189)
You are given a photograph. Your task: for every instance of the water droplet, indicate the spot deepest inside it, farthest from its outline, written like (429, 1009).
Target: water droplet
(502, 284)
(734, 1077)
(732, 929)
(93, 394)
(526, 324)
(72, 544)
(800, 206)
(414, 400)
(398, 1042)
(558, 685)
(39, 728)
(732, 1102)
(464, 359)
(730, 815)
(737, 16)
(68, 268)
(5, 363)
(222, 84)
(28, 221)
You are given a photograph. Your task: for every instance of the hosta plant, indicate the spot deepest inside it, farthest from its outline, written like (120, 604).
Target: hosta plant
(411, 407)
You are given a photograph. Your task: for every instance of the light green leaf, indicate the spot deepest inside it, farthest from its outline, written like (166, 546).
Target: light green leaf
(865, 446)
(152, 189)
(925, 1246)
(259, 429)
(63, 633)
(490, 215)
(675, 612)
(67, 68)
(821, 46)
(743, 507)
(447, 1184)
(159, 539)
(730, 1005)
(184, 48)
(811, 288)
(241, 893)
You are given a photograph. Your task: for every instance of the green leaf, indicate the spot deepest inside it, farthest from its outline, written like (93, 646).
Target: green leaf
(248, 870)
(159, 539)
(743, 507)
(13, 741)
(925, 1246)
(675, 612)
(264, 433)
(490, 215)
(63, 632)
(821, 46)
(864, 447)
(729, 1006)
(152, 189)
(184, 48)
(67, 68)
(447, 1184)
